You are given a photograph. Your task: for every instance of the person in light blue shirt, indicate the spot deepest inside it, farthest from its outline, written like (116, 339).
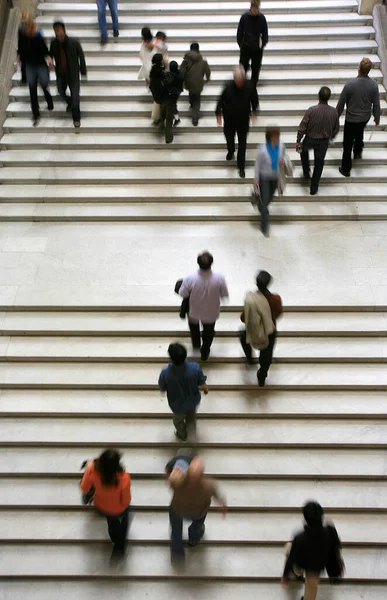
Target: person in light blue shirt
(183, 381)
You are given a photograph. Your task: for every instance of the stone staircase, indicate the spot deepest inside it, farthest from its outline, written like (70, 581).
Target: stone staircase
(95, 229)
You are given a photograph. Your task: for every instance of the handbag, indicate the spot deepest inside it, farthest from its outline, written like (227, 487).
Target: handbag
(255, 198)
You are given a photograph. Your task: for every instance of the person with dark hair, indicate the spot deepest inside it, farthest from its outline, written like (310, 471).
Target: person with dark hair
(319, 125)
(147, 51)
(193, 493)
(269, 159)
(313, 550)
(361, 96)
(252, 38)
(182, 380)
(106, 484)
(205, 290)
(37, 61)
(260, 313)
(196, 73)
(161, 96)
(237, 103)
(113, 7)
(174, 85)
(69, 65)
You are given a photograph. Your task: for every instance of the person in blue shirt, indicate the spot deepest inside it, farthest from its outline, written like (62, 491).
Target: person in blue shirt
(182, 380)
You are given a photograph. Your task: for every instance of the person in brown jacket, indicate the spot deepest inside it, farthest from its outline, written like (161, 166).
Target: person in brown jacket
(196, 73)
(192, 496)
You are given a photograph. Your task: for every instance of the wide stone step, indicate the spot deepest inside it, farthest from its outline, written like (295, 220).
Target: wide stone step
(222, 403)
(241, 494)
(275, 529)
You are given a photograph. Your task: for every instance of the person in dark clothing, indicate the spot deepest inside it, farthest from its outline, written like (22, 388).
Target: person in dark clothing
(21, 46)
(183, 381)
(37, 61)
(196, 73)
(161, 95)
(316, 548)
(174, 84)
(69, 64)
(237, 103)
(252, 37)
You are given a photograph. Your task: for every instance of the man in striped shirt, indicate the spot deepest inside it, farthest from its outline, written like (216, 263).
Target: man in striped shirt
(319, 125)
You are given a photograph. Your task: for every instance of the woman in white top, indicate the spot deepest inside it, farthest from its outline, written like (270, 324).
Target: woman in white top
(147, 51)
(269, 159)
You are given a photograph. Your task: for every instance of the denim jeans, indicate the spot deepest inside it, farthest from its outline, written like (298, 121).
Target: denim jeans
(113, 6)
(38, 74)
(267, 188)
(63, 82)
(195, 531)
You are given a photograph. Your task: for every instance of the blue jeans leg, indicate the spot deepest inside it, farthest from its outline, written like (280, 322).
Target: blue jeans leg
(113, 6)
(176, 522)
(267, 189)
(101, 5)
(196, 529)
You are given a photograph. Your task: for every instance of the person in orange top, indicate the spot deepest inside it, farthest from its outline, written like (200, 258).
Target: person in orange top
(106, 484)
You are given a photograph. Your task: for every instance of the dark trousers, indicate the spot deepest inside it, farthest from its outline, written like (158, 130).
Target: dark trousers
(320, 148)
(230, 129)
(166, 118)
(194, 100)
(38, 74)
(267, 188)
(118, 529)
(63, 82)
(185, 424)
(265, 355)
(353, 140)
(207, 336)
(23, 70)
(195, 531)
(255, 56)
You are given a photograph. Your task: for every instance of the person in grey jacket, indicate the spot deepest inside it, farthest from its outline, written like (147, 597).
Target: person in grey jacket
(269, 158)
(196, 73)
(361, 96)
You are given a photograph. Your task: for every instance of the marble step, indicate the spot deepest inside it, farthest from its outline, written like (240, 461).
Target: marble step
(34, 527)
(238, 404)
(150, 139)
(220, 462)
(271, 7)
(165, 590)
(170, 22)
(172, 158)
(280, 212)
(167, 324)
(138, 376)
(339, 495)
(289, 350)
(341, 191)
(75, 561)
(212, 175)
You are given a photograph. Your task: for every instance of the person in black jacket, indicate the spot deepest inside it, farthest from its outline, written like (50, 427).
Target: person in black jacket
(21, 47)
(69, 64)
(161, 95)
(174, 83)
(237, 102)
(252, 37)
(313, 550)
(37, 60)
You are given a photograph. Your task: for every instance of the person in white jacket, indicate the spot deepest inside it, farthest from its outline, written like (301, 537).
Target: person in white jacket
(147, 52)
(270, 158)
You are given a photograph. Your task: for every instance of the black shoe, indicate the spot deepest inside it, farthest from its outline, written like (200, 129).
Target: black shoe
(265, 231)
(242, 173)
(306, 177)
(204, 355)
(313, 191)
(182, 439)
(230, 155)
(169, 141)
(50, 104)
(104, 41)
(345, 173)
(195, 123)
(35, 121)
(193, 543)
(358, 156)
(261, 379)
(116, 33)
(77, 124)
(176, 122)
(117, 555)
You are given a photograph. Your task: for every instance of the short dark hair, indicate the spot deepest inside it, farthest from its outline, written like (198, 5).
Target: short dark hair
(194, 46)
(263, 280)
(146, 34)
(313, 514)
(205, 260)
(365, 66)
(177, 353)
(271, 131)
(173, 66)
(324, 93)
(161, 35)
(59, 24)
(157, 59)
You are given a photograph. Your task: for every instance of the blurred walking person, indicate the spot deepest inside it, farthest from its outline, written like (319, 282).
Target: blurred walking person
(161, 97)
(183, 381)
(205, 290)
(174, 84)
(37, 60)
(106, 484)
(361, 97)
(196, 73)
(147, 51)
(192, 496)
(313, 550)
(22, 45)
(252, 38)
(69, 65)
(237, 103)
(260, 313)
(113, 7)
(319, 125)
